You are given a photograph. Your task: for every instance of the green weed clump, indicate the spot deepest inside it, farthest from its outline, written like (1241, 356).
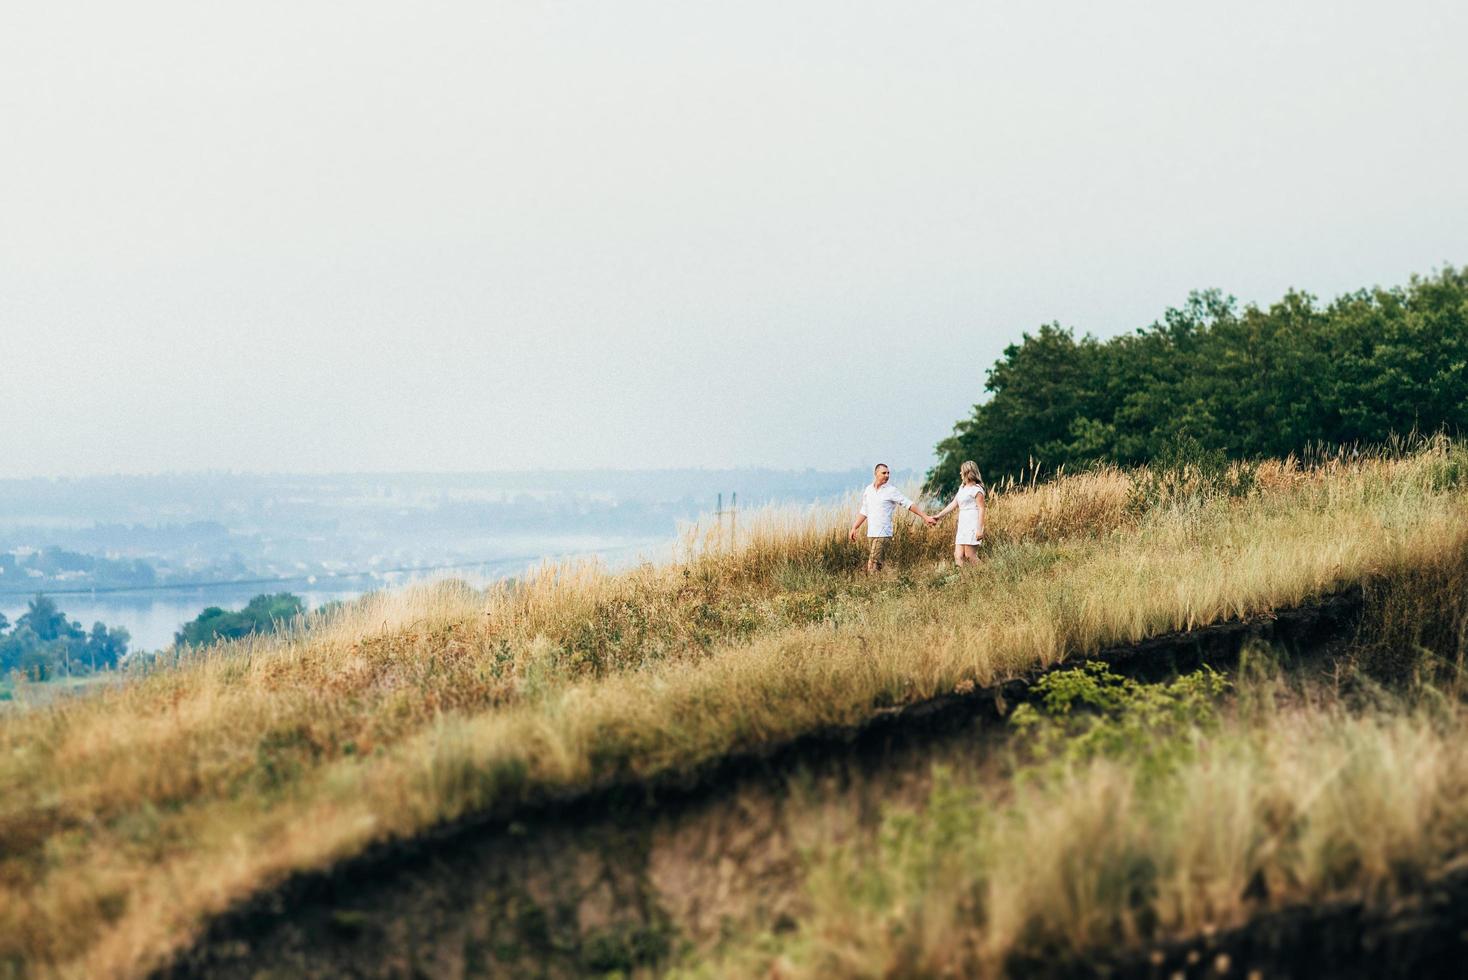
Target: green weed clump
(1092, 712)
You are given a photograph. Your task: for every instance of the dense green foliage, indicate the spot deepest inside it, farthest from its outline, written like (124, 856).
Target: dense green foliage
(263, 614)
(1248, 383)
(44, 644)
(1090, 711)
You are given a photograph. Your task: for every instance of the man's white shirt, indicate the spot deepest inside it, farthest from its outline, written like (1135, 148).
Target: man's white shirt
(877, 506)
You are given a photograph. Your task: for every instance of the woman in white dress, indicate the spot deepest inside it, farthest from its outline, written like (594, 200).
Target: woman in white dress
(969, 501)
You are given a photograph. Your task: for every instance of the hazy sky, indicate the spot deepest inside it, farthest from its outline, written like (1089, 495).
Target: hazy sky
(454, 236)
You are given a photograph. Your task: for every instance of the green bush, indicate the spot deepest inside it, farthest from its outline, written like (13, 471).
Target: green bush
(263, 614)
(1091, 711)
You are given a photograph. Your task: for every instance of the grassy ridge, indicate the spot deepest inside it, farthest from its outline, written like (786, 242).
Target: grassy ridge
(129, 816)
(1155, 815)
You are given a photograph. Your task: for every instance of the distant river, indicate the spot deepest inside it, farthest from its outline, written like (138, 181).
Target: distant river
(154, 615)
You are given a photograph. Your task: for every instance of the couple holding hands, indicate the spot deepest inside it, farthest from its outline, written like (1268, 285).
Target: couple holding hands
(880, 500)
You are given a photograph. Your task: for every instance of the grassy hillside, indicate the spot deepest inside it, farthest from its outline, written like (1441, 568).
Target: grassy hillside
(129, 816)
(1140, 823)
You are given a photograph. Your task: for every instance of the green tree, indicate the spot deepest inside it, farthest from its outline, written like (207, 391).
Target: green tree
(1250, 383)
(1041, 387)
(45, 619)
(263, 614)
(105, 647)
(44, 644)
(26, 652)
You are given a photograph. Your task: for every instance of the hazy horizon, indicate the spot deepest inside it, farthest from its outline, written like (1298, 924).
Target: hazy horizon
(148, 552)
(897, 468)
(467, 238)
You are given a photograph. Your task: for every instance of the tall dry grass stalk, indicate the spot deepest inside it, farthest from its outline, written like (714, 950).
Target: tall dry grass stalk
(1302, 806)
(128, 817)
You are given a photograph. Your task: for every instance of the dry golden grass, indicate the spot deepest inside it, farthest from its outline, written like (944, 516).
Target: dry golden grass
(1317, 786)
(129, 816)
(1306, 805)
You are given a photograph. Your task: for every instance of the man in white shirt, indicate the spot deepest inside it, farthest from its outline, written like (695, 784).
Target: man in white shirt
(878, 502)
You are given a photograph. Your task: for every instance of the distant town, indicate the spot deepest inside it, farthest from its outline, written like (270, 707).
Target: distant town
(148, 553)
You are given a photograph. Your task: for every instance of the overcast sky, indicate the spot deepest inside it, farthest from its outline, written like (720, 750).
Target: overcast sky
(472, 235)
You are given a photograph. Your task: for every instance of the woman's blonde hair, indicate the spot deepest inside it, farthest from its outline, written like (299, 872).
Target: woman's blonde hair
(969, 472)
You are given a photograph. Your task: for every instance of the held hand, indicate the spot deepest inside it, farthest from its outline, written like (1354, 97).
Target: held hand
(932, 521)
(852, 535)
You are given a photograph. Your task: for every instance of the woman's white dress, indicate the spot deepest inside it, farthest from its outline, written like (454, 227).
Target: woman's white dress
(968, 514)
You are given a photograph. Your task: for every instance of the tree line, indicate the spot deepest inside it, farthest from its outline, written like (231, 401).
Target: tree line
(262, 614)
(45, 645)
(1250, 382)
